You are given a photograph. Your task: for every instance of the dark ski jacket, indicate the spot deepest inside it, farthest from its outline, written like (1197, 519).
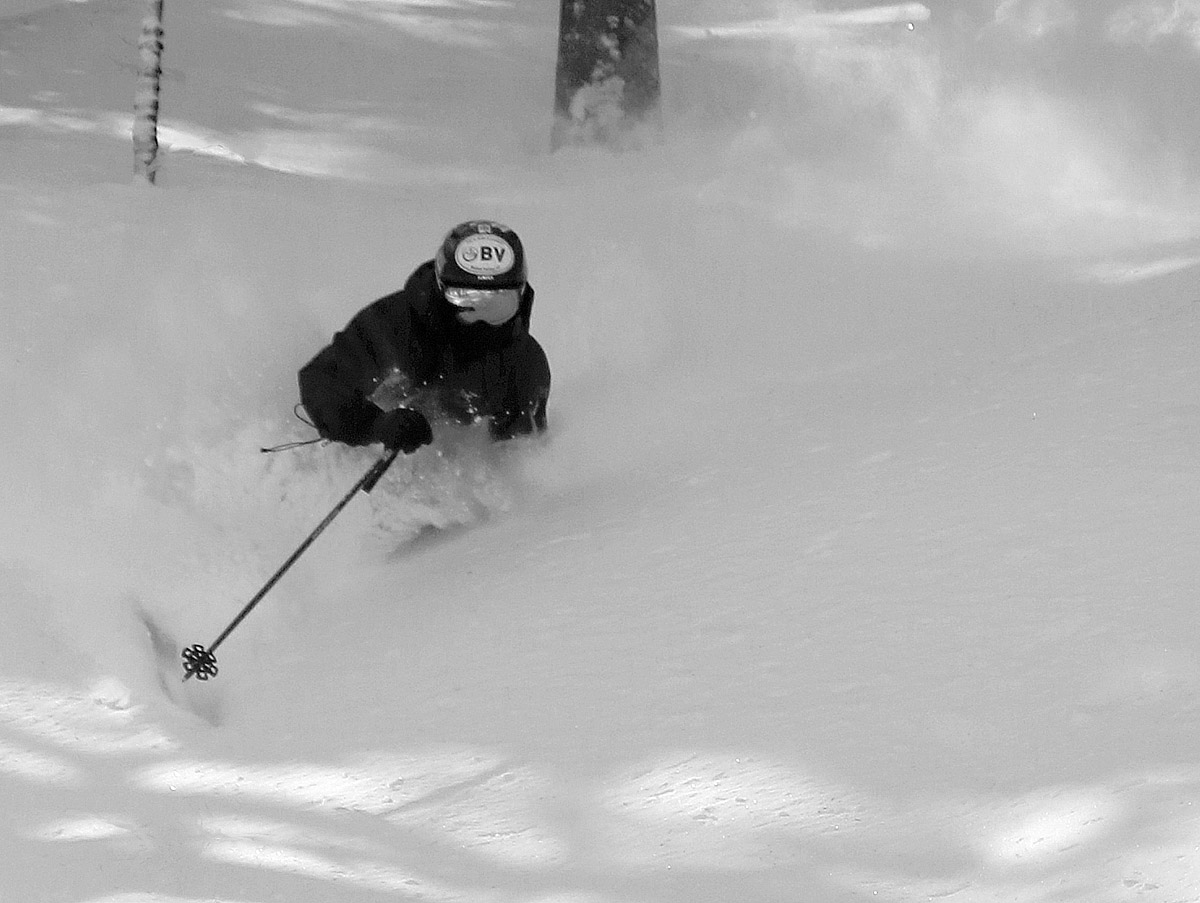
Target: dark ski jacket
(407, 349)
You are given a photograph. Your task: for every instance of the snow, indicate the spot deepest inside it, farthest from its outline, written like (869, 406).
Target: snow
(858, 564)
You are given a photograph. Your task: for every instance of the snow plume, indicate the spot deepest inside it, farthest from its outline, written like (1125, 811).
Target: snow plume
(144, 382)
(924, 133)
(1148, 22)
(128, 374)
(145, 377)
(1038, 19)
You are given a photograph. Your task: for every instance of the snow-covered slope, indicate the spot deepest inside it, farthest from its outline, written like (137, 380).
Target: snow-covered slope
(857, 564)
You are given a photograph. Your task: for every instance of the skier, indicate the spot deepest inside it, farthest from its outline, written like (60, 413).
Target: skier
(452, 344)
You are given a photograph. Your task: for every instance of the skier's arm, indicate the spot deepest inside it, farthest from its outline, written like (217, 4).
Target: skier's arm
(335, 385)
(524, 408)
(339, 410)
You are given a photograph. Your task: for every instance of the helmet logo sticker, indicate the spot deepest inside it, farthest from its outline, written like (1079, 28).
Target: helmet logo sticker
(485, 255)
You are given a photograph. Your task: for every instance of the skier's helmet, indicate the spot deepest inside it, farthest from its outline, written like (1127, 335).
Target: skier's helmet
(481, 254)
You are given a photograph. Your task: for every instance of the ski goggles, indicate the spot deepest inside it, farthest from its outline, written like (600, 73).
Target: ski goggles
(493, 306)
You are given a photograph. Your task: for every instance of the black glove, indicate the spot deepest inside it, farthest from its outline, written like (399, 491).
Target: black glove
(402, 428)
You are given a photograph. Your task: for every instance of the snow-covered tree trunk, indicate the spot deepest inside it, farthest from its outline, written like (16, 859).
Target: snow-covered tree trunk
(606, 82)
(145, 105)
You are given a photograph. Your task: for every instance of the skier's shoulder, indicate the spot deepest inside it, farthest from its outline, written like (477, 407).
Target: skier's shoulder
(400, 306)
(419, 289)
(415, 293)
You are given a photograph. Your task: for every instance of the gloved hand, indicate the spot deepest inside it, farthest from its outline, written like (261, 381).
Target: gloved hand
(402, 428)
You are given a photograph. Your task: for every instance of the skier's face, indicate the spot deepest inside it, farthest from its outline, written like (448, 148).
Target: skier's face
(493, 306)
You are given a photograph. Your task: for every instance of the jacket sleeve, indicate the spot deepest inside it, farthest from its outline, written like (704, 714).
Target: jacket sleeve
(523, 409)
(336, 384)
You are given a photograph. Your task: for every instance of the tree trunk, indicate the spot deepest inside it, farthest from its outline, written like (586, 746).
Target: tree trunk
(145, 104)
(606, 82)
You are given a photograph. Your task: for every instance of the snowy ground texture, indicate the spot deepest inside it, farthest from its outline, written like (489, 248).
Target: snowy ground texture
(860, 563)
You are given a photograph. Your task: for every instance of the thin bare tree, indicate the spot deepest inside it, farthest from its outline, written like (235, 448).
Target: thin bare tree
(145, 103)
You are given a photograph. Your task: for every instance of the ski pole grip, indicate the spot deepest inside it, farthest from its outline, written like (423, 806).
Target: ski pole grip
(374, 475)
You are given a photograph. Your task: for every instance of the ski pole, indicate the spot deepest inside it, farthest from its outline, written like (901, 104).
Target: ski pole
(200, 662)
